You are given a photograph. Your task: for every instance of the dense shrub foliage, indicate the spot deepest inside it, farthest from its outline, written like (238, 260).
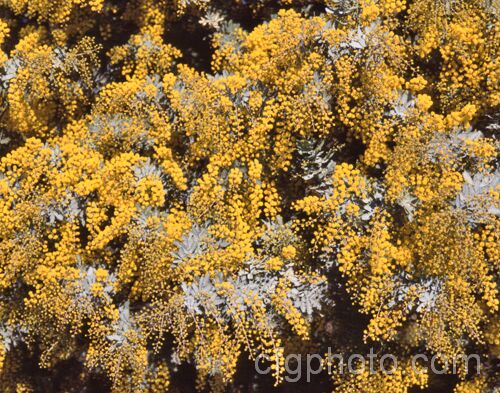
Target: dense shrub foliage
(187, 186)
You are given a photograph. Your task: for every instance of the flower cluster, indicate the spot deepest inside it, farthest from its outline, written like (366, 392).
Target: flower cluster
(189, 185)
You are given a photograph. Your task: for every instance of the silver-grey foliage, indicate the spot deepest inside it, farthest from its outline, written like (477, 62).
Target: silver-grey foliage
(474, 197)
